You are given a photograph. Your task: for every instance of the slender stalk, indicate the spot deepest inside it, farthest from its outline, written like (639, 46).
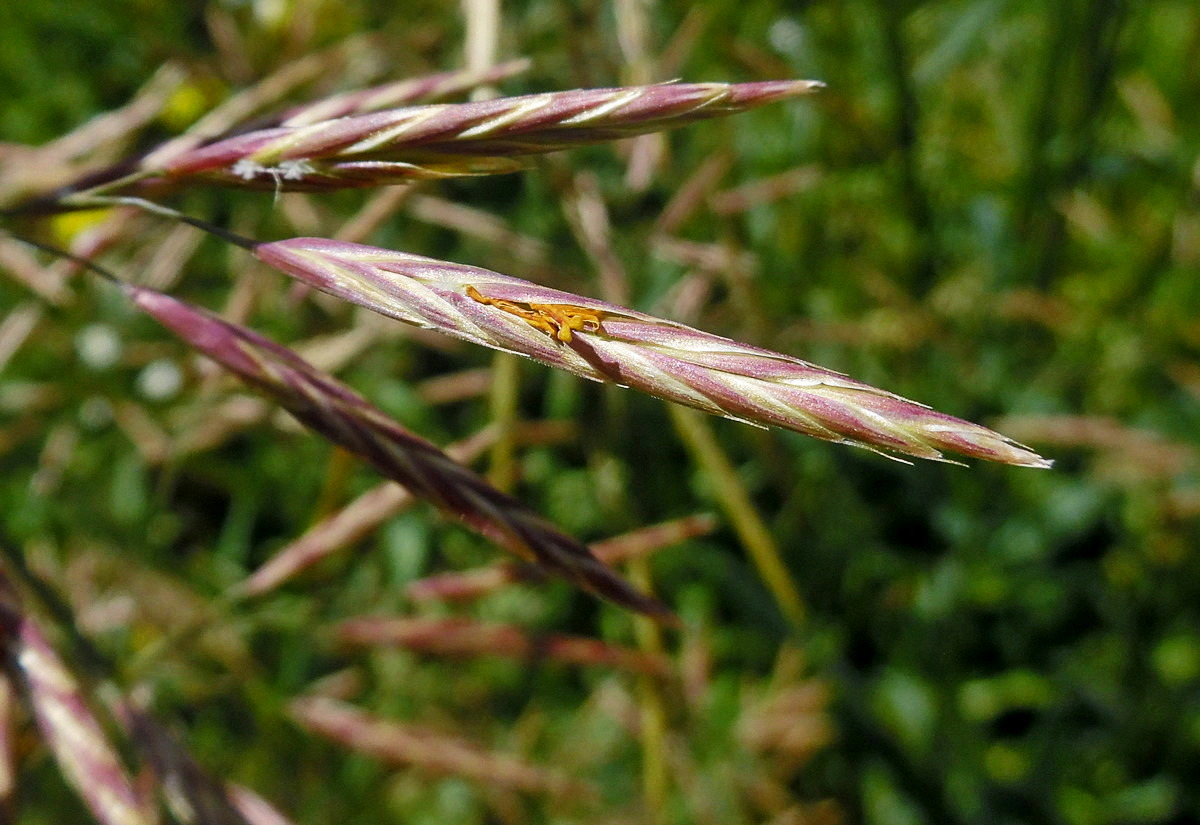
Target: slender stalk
(502, 411)
(731, 494)
(70, 199)
(93, 201)
(651, 705)
(115, 185)
(906, 129)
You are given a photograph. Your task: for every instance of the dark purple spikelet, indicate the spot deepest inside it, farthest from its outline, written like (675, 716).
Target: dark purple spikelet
(190, 792)
(345, 418)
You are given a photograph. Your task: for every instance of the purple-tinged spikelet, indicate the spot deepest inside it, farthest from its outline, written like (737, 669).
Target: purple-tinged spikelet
(484, 137)
(345, 418)
(80, 746)
(605, 342)
(400, 93)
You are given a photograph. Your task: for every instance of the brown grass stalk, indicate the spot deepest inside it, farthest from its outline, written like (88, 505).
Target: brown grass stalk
(459, 637)
(430, 751)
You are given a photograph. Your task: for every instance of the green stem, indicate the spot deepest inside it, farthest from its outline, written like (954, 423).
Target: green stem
(651, 707)
(731, 494)
(502, 404)
(906, 134)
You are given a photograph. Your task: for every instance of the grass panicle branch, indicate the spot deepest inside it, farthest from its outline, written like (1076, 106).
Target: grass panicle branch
(609, 343)
(345, 418)
(447, 140)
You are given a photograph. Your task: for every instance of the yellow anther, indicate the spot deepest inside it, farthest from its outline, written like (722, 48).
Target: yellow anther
(556, 320)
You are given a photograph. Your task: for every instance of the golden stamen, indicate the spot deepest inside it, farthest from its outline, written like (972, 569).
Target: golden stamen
(556, 320)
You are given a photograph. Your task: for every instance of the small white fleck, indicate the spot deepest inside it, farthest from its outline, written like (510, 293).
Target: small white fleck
(788, 37)
(247, 169)
(98, 346)
(160, 380)
(295, 169)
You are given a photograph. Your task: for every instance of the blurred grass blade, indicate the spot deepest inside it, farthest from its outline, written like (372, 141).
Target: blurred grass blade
(730, 492)
(254, 809)
(427, 750)
(466, 637)
(347, 525)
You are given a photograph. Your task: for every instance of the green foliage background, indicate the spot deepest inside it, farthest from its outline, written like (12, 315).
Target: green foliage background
(1002, 218)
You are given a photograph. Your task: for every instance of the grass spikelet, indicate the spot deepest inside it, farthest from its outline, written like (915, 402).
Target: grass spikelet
(333, 410)
(401, 93)
(609, 343)
(482, 137)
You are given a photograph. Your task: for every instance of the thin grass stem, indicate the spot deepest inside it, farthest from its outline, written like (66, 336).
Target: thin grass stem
(502, 410)
(731, 494)
(651, 704)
